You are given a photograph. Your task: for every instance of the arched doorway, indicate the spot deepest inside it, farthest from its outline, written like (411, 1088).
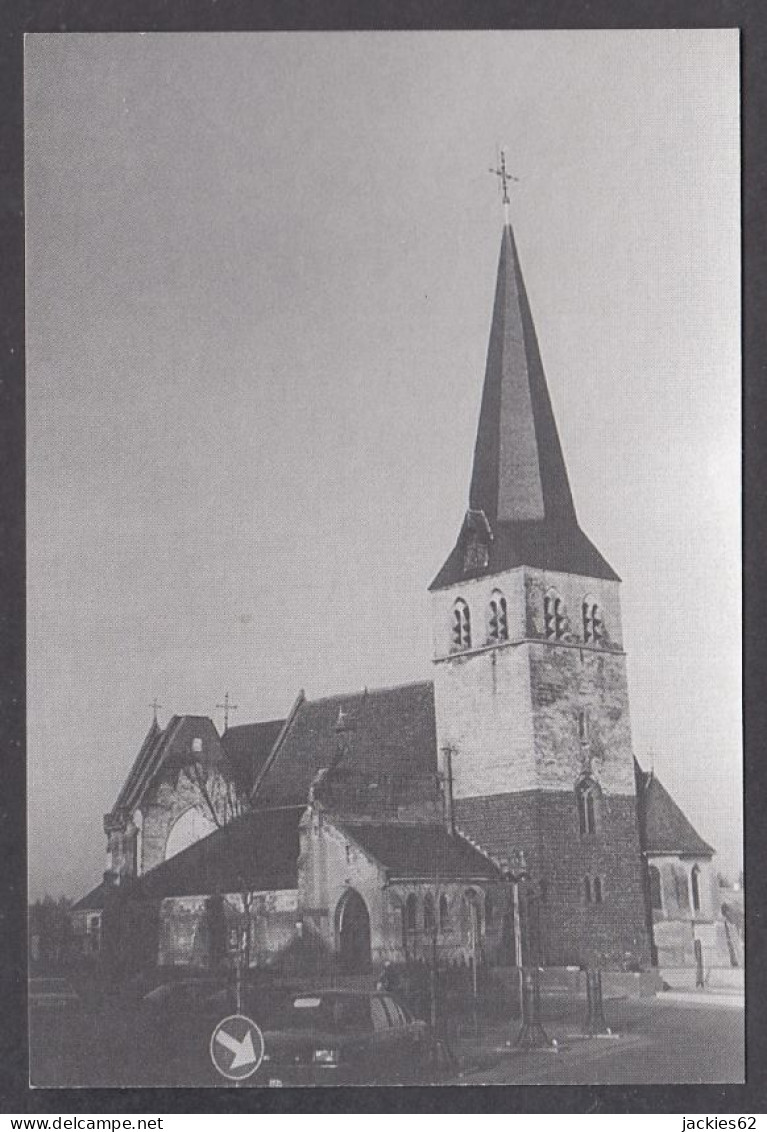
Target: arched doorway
(353, 932)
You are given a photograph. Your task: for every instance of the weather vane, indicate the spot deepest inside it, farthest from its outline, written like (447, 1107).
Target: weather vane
(504, 176)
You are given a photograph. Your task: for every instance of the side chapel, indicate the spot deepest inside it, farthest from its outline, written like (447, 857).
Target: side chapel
(494, 814)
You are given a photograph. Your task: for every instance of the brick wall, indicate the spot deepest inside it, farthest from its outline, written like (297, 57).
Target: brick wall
(544, 825)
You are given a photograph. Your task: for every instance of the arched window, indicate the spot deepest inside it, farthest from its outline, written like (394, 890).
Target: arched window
(444, 914)
(411, 913)
(471, 919)
(586, 797)
(593, 631)
(461, 636)
(497, 621)
(554, 617)
(593, 890)
(682, 889)
(582, 719)
(695, 884)
(428, 914)
(488, 909)
(656, 899)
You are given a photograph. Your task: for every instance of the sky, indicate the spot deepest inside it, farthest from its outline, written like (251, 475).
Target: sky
(260, 274)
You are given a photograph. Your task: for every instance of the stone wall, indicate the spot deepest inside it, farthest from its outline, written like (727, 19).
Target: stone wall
(544, 826)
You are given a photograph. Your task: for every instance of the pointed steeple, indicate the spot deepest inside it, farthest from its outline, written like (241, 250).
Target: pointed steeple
(521, 510)
(519, 470)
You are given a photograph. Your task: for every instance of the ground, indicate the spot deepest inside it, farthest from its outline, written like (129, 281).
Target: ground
(682, 1040)
(659, 1042)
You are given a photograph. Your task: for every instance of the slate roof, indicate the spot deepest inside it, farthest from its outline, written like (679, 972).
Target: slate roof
(93, 902)
(257, 851)
(519, 479)
(392, 731)
(547, 546)
(247, 748)
(663, 828)
(422, 851)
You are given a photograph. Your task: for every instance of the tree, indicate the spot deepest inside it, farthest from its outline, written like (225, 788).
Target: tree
(224, 802)
(221, 797)
(50, 922)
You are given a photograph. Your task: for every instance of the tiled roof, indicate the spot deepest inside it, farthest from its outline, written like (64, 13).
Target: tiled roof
(256, 852)
(425, 851)
(391, 731)
(663, 828)
(519, 480)
(92, 902)
(247, 748)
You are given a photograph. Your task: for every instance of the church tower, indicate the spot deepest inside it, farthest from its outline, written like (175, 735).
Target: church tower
(529, 669)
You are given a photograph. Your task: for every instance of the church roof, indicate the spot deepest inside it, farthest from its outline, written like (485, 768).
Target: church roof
(548, 546)
(663, 828)
(159, 747)
(92, 901)
(420, 851)
(248, 746)
(388, 731)
(519, 483)
(257, 852)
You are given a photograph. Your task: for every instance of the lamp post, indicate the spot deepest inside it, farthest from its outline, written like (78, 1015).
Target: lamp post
(532, 1033)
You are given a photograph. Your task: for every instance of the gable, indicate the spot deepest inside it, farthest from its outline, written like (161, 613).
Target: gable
(187, 738)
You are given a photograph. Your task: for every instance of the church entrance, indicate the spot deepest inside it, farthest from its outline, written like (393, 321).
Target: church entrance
(353, 933)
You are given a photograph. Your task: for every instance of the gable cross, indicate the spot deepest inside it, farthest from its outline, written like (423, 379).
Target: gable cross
(154, 706)
(226, 707)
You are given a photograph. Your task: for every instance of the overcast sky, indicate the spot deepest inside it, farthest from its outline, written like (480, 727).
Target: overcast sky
(260, 280)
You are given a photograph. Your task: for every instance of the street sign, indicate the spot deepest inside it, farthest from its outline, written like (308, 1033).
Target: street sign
(236, 1047)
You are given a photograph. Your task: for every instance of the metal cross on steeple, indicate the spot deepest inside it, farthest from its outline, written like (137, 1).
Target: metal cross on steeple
(226, 707)
(504, 175)
(154, 706)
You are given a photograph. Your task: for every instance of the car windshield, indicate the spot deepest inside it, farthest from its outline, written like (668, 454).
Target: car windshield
(335, 1013)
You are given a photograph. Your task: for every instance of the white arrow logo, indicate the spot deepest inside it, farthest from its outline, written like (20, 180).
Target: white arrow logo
(243, 1051)
(248, 1053)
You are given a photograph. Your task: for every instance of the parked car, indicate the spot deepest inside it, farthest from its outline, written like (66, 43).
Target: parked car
(332, 1037)
(56, 994)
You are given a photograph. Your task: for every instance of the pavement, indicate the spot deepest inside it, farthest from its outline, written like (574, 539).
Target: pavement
(662, 1040)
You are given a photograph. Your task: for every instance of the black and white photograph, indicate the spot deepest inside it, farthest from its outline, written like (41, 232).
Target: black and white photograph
(383, 438)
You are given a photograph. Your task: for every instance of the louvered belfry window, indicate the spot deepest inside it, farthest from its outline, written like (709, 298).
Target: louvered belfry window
(461, 631)
(498, 621)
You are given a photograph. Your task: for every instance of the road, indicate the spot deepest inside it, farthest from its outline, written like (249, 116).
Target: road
(659, 1043)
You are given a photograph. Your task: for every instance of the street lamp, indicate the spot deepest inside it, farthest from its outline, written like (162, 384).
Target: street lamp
(532, 1033)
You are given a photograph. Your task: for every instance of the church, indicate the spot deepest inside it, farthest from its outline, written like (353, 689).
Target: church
(494, 814)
